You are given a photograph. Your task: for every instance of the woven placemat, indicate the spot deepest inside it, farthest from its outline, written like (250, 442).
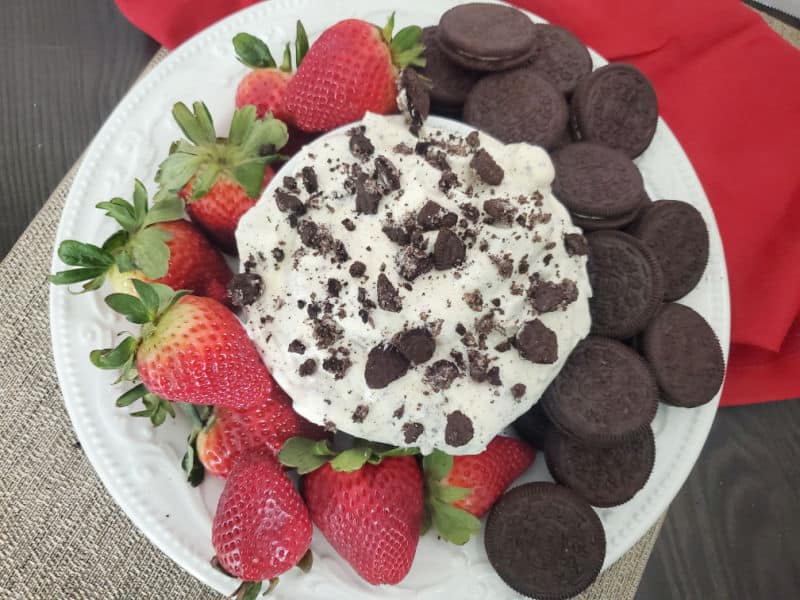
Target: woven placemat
(61, 534)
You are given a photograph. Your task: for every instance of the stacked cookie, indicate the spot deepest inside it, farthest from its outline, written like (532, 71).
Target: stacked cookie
(525, 82)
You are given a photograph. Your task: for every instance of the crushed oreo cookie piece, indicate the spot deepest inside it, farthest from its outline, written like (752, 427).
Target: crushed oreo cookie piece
(245, 288)
(290, 183)
(438, 160)
(326, 332)
(297, 347)
(547, 296)
(493, 376)
(575, 244)
(360, 413)
(537, 343)
(417, 345)
(448, 181)
(458, 430)
(388, 298)
(504, 264)
(334, 287)
(412, 262)
(290, 203)
(416, 97)
(474, 300)
(412, 431)
(478, 365)
(433, 216)
(357, 268)
(486, 168)
(518, 390)
(473, 139)
(501, 212)
(360, 145)
(503, 346)
(448, 250)
(386, 175)
(309, 176)
(278, 254)
(337, 366)
(398, 234)
(470, 211)
(348, 224)
(368, 195)
(441, 374)
(308, 367)
(309, 233)
(385, 364)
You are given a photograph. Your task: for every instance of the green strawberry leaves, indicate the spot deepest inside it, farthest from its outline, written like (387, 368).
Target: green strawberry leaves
(137, 246)
(405, 46)
(156, 409)
(190, 463)
(453, 524)
(252, 52)
(308, 455)
(300, 43)
(242, 157)
(115, 358)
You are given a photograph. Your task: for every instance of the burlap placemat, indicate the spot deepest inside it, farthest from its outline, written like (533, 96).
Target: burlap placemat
(61, 535)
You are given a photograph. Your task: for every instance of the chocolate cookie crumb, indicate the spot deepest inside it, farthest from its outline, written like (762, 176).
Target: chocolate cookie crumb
(387, 175)
(473, 139)
(290, 183)
(478, 365)
(504, 346)
(412, 431)
(518, 390)
(399, 411)
(336, 366)
(448, 181)
(417, 345)
(458, 430)
(575, 244)
(417, 98)
(537, 343)
(433, 216)
(547, 296)
(388, 298)
(412, 262)
(245, 288)
(360, 413)
(360, 145)
(385, 364)
(287, 202)
(504, 264)
(398, 234)
(308, 367)
(501, 212)
(309, 179)
(470, 211)
(441, 374)
(357, 269)
(297, 347)
(368, 195)
(278, 254)
(486, 167)
(348, 224)
(493, 375)
(448, 250)
(474, 300)
(334, 287)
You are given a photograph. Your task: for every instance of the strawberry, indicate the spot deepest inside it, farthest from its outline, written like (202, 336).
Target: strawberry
(261, 527)
(154, 245)
(192, 349)
(268, 424)
(351, 69)
(459, 489)
(367, 503)
(220, 178)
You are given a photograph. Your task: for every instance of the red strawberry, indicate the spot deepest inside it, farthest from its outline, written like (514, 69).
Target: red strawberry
(371, 516)
(153, 245)
(220, 178)
(351, 69)
(230, 432)
(192, 349)
(461, 488)
(261, 528)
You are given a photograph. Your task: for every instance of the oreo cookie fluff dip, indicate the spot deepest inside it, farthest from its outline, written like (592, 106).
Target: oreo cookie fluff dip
(417, 291)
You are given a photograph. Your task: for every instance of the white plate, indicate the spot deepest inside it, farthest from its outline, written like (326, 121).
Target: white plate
(139, 465)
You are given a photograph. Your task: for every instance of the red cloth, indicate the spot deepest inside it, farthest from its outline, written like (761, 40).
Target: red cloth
(729, 87)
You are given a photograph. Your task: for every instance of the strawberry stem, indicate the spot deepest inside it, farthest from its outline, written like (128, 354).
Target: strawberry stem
(252, 52)
(300, 44)
(286, 65)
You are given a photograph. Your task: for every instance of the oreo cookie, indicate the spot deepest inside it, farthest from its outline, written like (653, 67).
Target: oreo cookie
(604, 477)
(533, 426)
(604, 395)
(486, 37)
(684, 355)
(560, 57)
(545, 541)
(589, 224)
(616, 105)
(596, 181)
(678, 237)
(518, 106)
(450, 83)
(627, 284)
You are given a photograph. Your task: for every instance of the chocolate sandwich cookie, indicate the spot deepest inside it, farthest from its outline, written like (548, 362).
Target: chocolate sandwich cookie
(678, 237)
(605, 477)
(596, 181)
(486, 37)
(560, 57)
(598, 224)
(627, 284)
(450, 83)
(533, 426)
(616, 105)
(684, 355)
(545, 541)
(518, 106)
(604, 395)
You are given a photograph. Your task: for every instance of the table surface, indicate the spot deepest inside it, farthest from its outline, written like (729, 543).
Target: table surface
(734, 529)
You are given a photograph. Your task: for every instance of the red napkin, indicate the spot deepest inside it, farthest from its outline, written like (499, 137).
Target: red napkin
(729, 87)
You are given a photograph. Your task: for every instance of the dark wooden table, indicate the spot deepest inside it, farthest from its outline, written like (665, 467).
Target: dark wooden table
(734, 530)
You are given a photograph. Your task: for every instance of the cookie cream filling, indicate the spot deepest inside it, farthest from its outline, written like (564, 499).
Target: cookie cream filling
(416, 291)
